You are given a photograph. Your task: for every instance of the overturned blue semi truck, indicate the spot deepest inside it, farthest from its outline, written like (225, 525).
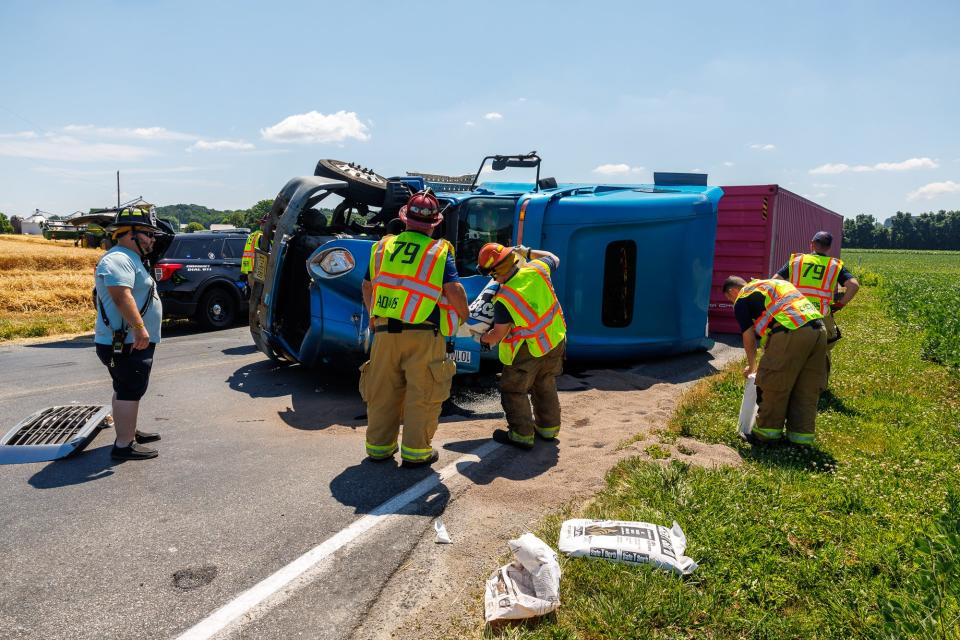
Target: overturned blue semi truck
(634, 280)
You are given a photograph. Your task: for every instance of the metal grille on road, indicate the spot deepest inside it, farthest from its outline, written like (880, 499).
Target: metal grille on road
(52, 433)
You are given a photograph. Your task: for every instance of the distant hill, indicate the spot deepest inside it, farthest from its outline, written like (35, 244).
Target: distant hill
(185, 213)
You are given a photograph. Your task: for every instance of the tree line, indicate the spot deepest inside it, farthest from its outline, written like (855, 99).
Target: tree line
(940, 230)
(198, 217)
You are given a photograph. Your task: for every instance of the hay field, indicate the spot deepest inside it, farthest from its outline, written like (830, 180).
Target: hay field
(45, 287)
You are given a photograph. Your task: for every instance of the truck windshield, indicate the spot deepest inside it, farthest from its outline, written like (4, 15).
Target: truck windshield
(482, 220)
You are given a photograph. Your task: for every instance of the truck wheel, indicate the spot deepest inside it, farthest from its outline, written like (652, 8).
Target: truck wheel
(217, 310)
(363, 185)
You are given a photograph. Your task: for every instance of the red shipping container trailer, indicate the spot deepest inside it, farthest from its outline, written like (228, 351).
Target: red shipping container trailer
(758, 227)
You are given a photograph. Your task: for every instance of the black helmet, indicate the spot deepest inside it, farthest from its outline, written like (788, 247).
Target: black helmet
(134, 217)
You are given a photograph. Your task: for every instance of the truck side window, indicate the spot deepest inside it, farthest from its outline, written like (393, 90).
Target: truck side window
(619, 283)
(482, 220)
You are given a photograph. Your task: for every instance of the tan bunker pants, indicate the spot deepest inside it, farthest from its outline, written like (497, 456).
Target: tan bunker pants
(790, 377)
(536, 378)
(406, 379)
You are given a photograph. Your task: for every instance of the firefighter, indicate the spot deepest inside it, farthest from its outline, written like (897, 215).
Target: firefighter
(416, 302)
(249, 251)
(817, 275)
(793, 370)
(529, 326)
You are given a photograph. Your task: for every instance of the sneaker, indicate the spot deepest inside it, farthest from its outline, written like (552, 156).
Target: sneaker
(503, 437)
(143, 437)
(133, 451)
(411, 464)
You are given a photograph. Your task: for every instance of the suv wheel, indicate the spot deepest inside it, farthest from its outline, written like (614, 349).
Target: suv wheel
(217, 310)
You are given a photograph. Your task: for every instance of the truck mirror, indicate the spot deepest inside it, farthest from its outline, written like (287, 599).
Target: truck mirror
(499, 164)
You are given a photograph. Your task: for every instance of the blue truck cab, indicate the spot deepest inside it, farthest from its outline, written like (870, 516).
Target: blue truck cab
(634, 279)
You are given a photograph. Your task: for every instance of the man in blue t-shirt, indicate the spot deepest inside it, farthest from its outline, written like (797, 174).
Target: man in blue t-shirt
(128, 326)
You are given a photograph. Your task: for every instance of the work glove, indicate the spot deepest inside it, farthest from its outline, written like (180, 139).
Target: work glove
(522, 251)
(836, 306)
(484, 346)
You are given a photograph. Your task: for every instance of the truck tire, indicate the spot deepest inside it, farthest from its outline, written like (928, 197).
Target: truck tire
(363, 185)
(217, 309)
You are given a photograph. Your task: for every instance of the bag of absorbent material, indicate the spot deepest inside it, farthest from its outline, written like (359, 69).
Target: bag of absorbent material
(630, 542)
(481, 313)
(527, 587)
(749, 408)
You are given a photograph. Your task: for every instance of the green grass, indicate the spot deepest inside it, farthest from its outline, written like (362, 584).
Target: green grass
(922, 289)
(857, 538)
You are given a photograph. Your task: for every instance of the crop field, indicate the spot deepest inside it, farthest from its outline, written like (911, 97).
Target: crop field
(45, 287)
(857, 537)
(922, 289)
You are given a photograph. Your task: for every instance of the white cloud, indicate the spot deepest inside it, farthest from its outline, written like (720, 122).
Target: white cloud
(906, 165)
(521, 99)
(493, 115)
(824, 185)
(470, 123)
(617, 169)
(934, 190)
(220, 145)
(728, 164)
(135, 133)
(20, 135)
(763, 147)
(317, 127)
(67, 149)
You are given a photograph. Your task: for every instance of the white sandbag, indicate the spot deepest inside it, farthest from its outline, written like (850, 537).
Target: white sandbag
(749, 408)
(481, 312)
(630, 542)
(527, 587)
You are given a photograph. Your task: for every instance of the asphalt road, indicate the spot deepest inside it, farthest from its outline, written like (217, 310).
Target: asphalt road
(259, 464)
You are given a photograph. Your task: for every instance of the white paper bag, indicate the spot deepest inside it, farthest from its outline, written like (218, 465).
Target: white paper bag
(749, 408)
(527, 587)
(629, 542)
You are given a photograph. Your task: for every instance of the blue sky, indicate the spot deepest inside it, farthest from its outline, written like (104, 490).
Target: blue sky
(852, 104)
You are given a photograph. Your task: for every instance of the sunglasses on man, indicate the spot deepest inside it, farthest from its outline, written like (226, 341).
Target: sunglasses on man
(147, 234)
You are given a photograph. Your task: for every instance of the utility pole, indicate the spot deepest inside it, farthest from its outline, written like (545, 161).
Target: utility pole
(118, 188)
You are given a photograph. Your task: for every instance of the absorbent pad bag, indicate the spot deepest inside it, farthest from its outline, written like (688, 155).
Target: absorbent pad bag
(629, 542)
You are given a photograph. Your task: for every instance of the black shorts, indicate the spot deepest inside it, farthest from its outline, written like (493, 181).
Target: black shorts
(130, 370)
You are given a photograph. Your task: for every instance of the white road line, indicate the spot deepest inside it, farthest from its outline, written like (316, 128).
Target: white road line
(263, 590)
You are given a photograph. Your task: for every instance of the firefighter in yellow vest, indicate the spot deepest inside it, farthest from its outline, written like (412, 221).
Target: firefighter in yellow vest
(249, 251)
(817, 275)
(792, 372)
(416, 303)
(529, 326)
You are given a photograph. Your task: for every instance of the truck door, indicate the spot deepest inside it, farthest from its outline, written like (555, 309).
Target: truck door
(481, 220)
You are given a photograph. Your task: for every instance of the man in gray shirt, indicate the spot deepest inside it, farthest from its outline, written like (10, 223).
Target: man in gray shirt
(128, 326)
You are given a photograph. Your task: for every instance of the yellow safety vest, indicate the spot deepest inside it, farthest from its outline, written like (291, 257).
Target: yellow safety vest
(816, 277)
(537, 317)
(249, 249)
(407, 276)
(783, 303)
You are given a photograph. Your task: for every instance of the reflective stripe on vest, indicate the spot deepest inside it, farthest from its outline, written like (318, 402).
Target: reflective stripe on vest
(818, 284)
(782, 303)
(407, 285)
(246, 262)
(537, 317)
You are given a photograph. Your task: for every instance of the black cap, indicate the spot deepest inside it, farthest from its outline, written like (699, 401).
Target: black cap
(134, 217)
(823, 238)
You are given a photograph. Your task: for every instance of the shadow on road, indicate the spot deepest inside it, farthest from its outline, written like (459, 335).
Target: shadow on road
(92, 464)
(79, 342)
(319, 398)
(368, 484)
(509, 463)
